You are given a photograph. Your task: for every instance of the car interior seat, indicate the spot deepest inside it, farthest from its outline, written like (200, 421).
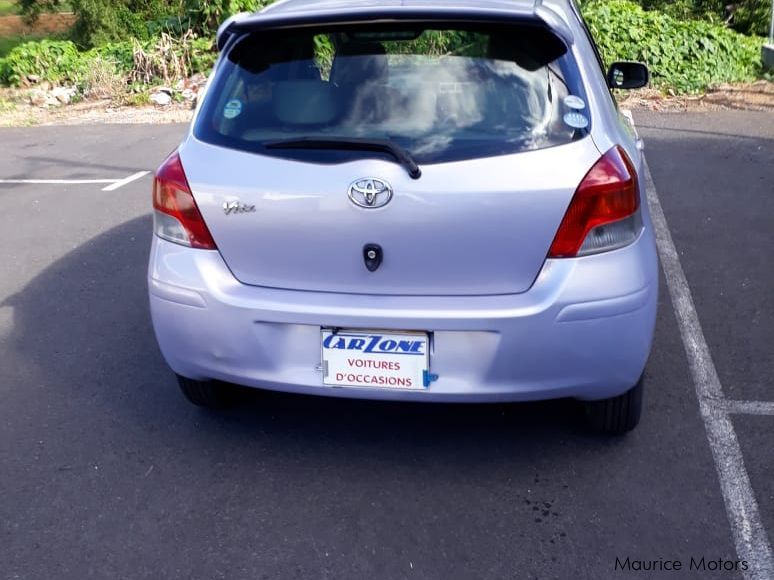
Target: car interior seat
(360, 70)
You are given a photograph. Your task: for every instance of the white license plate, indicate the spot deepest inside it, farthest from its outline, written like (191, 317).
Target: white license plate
(373, 359)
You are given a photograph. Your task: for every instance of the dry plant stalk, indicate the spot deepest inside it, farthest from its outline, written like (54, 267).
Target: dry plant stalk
(103, 81)
(169, 59)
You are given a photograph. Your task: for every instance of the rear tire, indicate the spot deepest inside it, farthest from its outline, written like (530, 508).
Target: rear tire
(616, 415)
(207, 394)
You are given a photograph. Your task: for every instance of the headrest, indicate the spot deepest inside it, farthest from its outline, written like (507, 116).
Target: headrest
(305, 102)
(360, 48)
(359, 62)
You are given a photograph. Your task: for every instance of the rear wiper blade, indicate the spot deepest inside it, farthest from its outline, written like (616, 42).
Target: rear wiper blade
(352, 144)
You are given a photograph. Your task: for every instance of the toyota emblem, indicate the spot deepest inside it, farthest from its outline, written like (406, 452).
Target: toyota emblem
(370, 192)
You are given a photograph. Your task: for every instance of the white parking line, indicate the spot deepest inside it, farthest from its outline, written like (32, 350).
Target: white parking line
(752, 543)
(113, 184)
(59, 181)
(126, 180)
(748, 407)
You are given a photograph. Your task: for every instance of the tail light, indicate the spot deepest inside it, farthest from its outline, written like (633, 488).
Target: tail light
(603, 214)
(177, 218)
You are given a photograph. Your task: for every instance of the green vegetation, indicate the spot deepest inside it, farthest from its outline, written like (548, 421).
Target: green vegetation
(163, 59)
(13, 7)
(124, 46)
(7, 43)
(7, 106)
(101, 21)
(54, 60)
(7, 7)
(745, 16)
(683, 55)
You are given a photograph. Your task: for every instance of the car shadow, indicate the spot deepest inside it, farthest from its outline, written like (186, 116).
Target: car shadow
(82, 328)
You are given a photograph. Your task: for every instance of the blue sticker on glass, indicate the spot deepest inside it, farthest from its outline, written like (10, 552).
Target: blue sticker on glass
(232, 109)
(576, 120)
(573, 102)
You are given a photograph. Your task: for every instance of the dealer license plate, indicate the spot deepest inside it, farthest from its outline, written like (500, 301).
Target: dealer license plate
(374, 359)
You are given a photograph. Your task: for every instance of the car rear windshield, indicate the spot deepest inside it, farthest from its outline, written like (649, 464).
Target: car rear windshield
(441, 93)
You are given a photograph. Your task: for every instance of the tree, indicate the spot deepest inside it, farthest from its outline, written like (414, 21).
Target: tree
(745, 16)
(31, 9)
(100, 21)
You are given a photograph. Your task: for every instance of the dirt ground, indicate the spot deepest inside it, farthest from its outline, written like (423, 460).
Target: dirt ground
(20, 114)
(13, 25)
(15, 111)
(757, 96)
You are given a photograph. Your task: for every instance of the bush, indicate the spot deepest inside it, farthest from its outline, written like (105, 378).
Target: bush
(120, 53)
(752, 16)
(205, 17)
(160, 59)
(745, 16)
(683, 55)
(57, 61)
(102, 21)
(102, 80)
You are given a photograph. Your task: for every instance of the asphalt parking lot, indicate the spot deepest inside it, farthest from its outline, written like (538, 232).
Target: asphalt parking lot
(106, 472)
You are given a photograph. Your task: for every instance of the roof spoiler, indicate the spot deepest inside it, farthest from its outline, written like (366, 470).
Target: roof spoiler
(226, 30)
(271, 20)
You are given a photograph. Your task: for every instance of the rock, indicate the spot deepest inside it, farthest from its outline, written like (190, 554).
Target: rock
(45, 86)
(38, 98)
(63, 94)
(160, 98)
(33, 78)
(188, 95)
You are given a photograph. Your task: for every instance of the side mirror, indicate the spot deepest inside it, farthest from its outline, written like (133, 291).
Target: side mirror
(627, 75)
(224, 32)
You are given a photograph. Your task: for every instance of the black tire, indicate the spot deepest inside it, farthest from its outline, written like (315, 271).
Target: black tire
(617, 415)
(207, 394)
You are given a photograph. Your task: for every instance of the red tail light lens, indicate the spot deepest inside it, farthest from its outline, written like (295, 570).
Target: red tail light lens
(603, 212)
(177, 217)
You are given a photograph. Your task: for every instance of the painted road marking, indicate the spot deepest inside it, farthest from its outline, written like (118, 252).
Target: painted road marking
(752, 543)
(113, 184)
(748, 407)
(125, 180)
(59, 181)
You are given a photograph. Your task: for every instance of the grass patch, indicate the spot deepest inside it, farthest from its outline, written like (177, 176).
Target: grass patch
(137, 99)
(8, 43)
(7, 106)
(7, 7)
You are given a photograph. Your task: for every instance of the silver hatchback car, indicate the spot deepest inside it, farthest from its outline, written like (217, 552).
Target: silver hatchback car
(416, 200)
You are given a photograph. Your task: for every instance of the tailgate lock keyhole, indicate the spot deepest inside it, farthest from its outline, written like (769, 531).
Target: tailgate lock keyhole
(373, 255)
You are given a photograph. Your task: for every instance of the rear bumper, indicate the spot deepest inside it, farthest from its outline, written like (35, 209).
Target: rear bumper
(583, 330)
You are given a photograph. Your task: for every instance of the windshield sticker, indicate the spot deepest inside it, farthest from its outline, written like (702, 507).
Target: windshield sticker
(573, 102)
(232, 109)
(576, 120)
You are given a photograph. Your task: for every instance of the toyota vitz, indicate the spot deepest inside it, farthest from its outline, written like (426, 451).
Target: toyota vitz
(416, 200)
